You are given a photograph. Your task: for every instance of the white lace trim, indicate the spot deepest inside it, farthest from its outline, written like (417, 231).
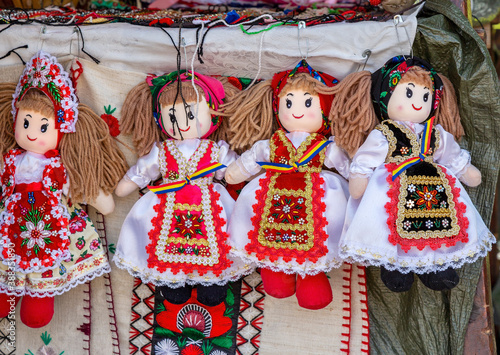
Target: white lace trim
(420, 265)
(290, 267)
(105, 269)
(180, 280)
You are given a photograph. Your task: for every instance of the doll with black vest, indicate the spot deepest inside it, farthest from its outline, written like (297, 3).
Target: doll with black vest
(288, 220)
(175, 236)
(408, 213)
(57, 154)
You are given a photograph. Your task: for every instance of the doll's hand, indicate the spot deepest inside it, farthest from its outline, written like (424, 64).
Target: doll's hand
(104, 203)
(357, 186)
(125, 187)
(234, 175)
(471, 177)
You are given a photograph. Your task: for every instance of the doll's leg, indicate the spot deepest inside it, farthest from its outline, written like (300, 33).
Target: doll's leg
(37, 312)
(395, 280)
(440, 281)
(176, 295)
(6, 303)
(314, 292)
(211, 295)
(278, 284)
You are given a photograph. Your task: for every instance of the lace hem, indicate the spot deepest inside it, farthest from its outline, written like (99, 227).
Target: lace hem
(105, 269)
(290, 267)
(420, 265)
(146, 275)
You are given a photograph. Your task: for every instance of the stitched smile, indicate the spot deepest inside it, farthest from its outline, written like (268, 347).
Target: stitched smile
(31, 139)
(297, 117)
(185, 130)
(418, 109)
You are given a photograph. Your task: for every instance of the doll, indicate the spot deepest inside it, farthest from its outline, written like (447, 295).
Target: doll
(288, 220)
(48, 243)
(175, 235)
(412, 213)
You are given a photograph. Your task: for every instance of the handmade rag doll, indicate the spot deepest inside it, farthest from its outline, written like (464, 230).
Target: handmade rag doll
(57, 153)
(412, 215)
(288, 220)
(175, 236)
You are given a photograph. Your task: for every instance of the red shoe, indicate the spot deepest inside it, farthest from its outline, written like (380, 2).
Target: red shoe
(278, 284)
(7, 303)
(37, 312)
(314, 292)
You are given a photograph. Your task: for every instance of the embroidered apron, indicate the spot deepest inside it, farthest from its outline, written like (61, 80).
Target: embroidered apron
(424, 208)
(187, 234)
(289, 219)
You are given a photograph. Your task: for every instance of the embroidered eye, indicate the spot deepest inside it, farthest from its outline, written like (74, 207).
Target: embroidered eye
(426, 97)
(26, 123)
(409, 93)
(190, 115)
(288, 103)
(308, 102)
(171, 114)
(44, 127)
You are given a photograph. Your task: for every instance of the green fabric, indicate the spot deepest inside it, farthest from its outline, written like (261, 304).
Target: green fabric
(422, 321)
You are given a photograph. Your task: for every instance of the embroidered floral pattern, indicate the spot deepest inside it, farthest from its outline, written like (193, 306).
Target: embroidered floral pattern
(289, 223)
(187, 232)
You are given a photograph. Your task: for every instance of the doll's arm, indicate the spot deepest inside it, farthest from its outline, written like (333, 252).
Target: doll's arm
(456, 159)
(369, 156)
(246, 166)
(104, 203)
(336, 157)
(140, 175)
(226, 157)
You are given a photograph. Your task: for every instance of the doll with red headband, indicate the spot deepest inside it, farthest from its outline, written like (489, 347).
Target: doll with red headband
(48, 244)
(413, 215)
(175, 236)
(288, 220)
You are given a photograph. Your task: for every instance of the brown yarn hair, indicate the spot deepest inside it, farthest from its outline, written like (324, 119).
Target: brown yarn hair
(90, 156)
(137, 113)
(250, 112)
(352, 115)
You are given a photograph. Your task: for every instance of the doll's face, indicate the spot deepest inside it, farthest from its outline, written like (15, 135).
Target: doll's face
(300, 111)
(410, 102)
(35, 132)
(187, 125)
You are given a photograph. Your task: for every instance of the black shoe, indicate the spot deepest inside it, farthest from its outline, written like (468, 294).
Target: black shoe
(395, 280)
(176, 295)
(211, 295)
(440, 281)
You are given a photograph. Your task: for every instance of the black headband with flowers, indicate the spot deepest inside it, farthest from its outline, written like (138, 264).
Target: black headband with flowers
(385, 80)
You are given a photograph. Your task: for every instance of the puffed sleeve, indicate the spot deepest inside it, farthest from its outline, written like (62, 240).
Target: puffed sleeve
(370, 155)
(226, 157)
(248, 160)
(146, 169)
(449, 153)
(336, 157)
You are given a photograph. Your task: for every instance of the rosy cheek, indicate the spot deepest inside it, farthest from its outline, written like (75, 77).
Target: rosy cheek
(41, 143)
(17, 136)
(170, 131)
(400, 108)
(311, 115)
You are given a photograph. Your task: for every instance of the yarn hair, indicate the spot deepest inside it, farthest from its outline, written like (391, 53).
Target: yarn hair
(137, 113)
(352, 115)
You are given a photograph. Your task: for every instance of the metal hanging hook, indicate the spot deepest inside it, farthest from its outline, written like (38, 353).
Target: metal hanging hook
(398, 19)
(302, 25)
(366, 54)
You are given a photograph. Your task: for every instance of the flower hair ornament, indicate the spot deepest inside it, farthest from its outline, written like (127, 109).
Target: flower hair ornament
(385, 80)
(213, 89)
(44, 73)
(280, 80)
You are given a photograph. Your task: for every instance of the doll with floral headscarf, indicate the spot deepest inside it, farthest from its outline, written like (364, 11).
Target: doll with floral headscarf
(57, 153)
(175, 235)
(288, 220)
(412, 215)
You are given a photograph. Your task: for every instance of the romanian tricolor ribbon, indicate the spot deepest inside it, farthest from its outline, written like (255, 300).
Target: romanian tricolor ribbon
(425, 145)
(177, 185)
(306, 158)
